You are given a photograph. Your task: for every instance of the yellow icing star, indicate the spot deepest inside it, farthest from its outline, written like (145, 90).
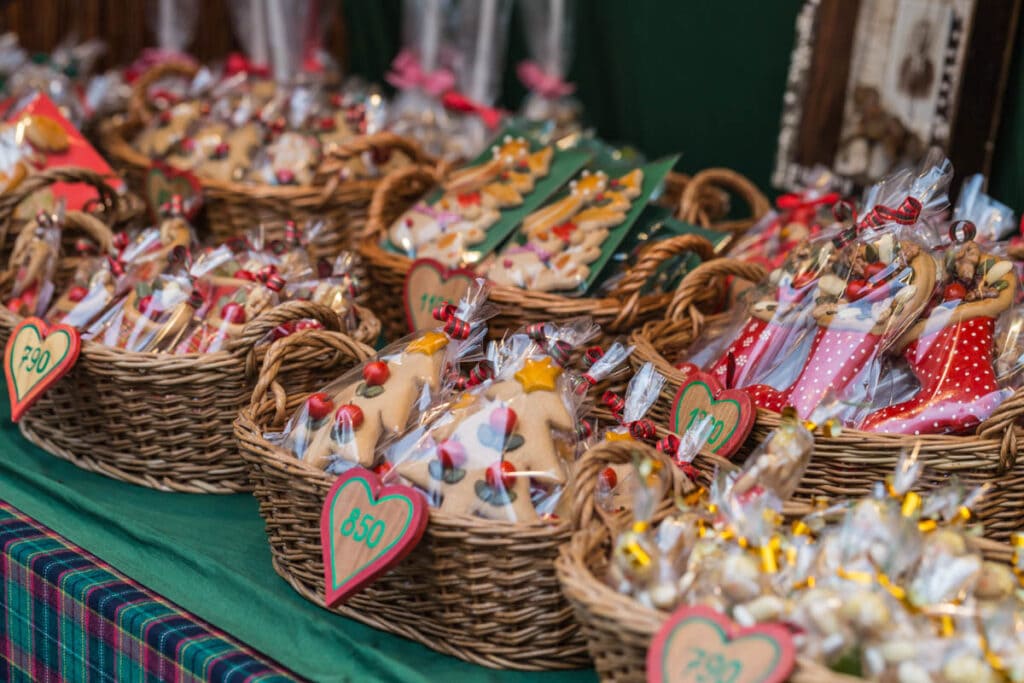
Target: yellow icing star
(428, 344)
(618, 436)
(538, 375)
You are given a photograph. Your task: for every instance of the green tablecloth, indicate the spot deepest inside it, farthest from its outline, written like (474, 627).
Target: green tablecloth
(209, 555)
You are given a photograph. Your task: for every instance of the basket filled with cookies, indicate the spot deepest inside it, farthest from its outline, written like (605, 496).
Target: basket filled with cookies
(487, 452)
(554, 238)
(260, 153)
(890, 331)
(897, 584)
(162, 347)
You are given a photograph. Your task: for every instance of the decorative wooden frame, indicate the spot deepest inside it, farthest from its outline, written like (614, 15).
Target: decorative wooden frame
(967, 106)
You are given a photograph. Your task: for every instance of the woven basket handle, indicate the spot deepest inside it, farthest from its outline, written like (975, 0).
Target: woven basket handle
(1000, 427)
(93, 227)
(387, 202)
(696, 284)
(628, 289)
(308, 345)
(693, 204)
(290, 311)
(138, 104)
(108, 197)
(585, 507)
(359, 144)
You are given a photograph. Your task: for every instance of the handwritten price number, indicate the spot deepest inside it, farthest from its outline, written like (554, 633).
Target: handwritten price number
(712, 667)
(717, 428)
(37, 359)
(363, 528)
(429, 302)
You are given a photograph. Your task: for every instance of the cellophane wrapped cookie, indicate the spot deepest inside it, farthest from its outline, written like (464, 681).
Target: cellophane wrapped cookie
(34, 262)
(889, 586)
(859, 324)
(350, 420)
(504, 448)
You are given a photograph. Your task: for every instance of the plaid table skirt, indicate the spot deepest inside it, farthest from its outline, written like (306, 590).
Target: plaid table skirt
(68, 616)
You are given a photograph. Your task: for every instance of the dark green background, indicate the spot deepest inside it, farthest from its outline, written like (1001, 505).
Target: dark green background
(704, 78)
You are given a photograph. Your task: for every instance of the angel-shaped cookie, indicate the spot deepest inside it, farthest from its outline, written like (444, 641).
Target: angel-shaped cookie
(564, 237)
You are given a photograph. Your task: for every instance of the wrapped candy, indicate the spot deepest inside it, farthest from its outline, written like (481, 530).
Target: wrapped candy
(891, 581)
(349, 421)
(504, 447)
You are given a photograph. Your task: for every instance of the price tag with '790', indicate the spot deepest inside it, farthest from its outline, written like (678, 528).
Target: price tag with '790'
(36, 356)
(365, 528)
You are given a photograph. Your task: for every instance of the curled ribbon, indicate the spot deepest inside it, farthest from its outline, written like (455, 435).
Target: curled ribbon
(407, 73)
(454, 327)
(641, 430)
(541, 82)
(456, 101)
(801, 209)
(906, 213)
(587, 380)
(559, 350)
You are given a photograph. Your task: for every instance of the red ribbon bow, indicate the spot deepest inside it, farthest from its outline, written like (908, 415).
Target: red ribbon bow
(670, 447)
(800, 208)
(906, 213)
(642, 429)
(454, 327)
(456, 101)
(541, 82)
(407, 73)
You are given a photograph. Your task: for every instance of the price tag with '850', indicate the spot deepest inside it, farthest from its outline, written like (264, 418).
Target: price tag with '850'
(365, 528)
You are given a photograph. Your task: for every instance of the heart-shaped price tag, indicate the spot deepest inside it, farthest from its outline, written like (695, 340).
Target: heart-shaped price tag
(366, 528)
(36, 356)
(731, 410)
(429, 284)
(164, 182)
(700, 645)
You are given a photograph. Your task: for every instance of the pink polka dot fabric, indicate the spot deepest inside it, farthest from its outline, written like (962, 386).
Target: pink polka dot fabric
(835, 361)
(958, 382)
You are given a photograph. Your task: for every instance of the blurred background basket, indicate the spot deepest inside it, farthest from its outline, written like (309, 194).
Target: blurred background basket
(232, 208)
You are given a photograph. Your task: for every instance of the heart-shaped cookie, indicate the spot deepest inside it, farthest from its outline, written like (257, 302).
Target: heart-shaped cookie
(164, 182)
(429, 284)
(36, 356)
(698, 644)
(366, 528)
(731, 411)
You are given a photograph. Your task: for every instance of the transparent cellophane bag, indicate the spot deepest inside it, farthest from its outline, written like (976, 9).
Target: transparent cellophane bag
(350, 420)
(503, 448)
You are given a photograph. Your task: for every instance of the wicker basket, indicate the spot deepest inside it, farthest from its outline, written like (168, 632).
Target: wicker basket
(702, 203)
(232, 208)
(619, 629)
(479, 590)
(846, 464)
(619, 312)
(116, 211)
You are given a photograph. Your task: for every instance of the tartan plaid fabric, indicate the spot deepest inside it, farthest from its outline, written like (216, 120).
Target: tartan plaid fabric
(68, 616)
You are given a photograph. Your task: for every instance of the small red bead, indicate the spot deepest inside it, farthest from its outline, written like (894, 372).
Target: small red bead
(452, 454)
(319, 405)
(609, 478)
(349, 415)
(233, 313)
(503, 420)
(501, 475)
(77, 293)
(376, 373)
